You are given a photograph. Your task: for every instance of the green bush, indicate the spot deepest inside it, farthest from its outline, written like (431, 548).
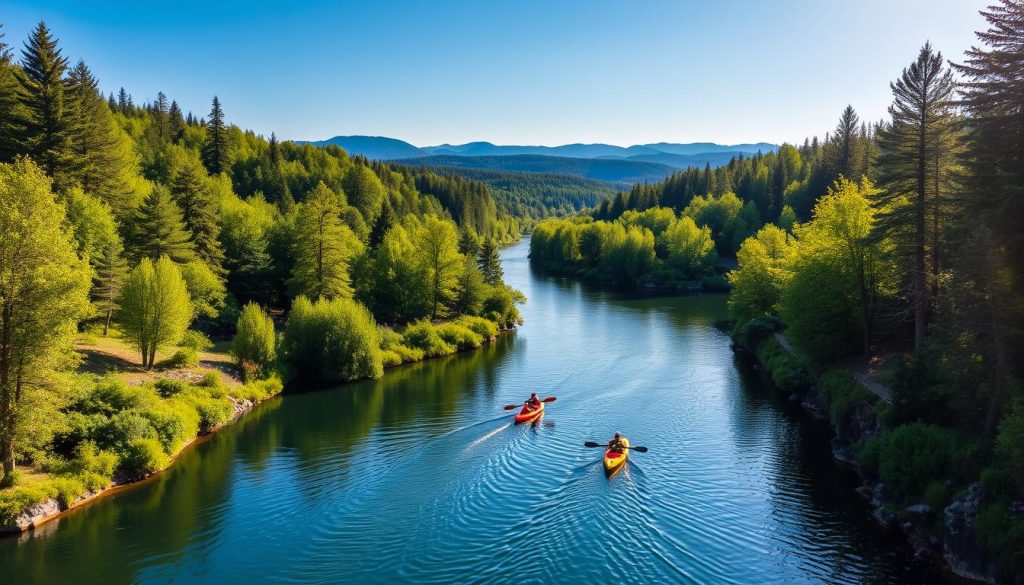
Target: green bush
(460, 336)
(408, 354)
(388, 337)
(168, 387)
(255, 341)
(183, 358)
(211, 379)
(788, 372)
(423, 335)
(16, 500)
(213, 412)
(389, 358)
(122, 429)
(752, 332)
(78, 428)
(142, 457)
(936, 495)
(195, 340)
(912, 456)
(500, 305)
(331, 341)
(67, 490)
(110, 395)
(842, 393)
(172, 427)
(259, 390)
(482, 327)
(1001, 530)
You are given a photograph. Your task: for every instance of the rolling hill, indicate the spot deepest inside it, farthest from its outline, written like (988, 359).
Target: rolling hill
(621, 173)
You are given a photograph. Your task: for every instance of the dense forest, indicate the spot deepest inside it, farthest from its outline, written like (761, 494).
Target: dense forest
(161, 227)
(895, 243)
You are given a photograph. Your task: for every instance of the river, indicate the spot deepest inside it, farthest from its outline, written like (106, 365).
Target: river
(419, 477)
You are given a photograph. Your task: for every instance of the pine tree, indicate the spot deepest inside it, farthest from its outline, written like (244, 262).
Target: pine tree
(469, 243)
(161, 111)
(160, 230)
(844, 155)
(124, 102)
(199, 212)
(109, 271)
(215, 151)
(385, 220)
(323, 248)
(490, 263)
(921, 123)
(46, 134)
(102, 160)
(8, 103)
(175, 123)
(112, 102)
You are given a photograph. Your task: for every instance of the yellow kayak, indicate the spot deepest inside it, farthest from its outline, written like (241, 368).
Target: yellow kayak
(613, 462)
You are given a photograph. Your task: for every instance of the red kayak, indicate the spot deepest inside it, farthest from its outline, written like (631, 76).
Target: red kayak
(527, 415)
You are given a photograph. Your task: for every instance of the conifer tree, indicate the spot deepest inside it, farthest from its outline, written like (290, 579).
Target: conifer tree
(199, 212)
(380, 227)
(161, 111)
(469, 243)
(175, 122)
(102, 160)
(8, 103)
(921, 122)
(109, 271)
(490, 263)
(215, 151)
(160, 230)
(324, 247)
(844, 153)
(46, 132)
(124, 102)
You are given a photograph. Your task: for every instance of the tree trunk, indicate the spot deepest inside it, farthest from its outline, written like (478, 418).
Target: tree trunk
(920, 281)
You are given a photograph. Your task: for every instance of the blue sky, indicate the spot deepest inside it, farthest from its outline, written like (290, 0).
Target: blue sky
(523, 72)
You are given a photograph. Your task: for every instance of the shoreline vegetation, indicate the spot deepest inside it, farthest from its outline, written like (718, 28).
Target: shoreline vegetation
(145, 231)
(878, 282)
(118, 379)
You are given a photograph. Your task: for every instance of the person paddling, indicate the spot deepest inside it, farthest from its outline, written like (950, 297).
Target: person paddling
(532, 403)
(616, 445)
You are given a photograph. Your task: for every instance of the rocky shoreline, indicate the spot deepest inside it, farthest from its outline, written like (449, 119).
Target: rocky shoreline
(954, 548)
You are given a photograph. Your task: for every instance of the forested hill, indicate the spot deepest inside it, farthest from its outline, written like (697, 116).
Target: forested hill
(619, 172)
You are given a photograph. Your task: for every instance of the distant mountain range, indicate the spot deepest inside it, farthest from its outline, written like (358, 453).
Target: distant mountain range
(619, 165)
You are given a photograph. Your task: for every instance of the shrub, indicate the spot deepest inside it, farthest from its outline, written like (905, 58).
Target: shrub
(389, 358)
(211, 379)
(842, 394)
(1001, 530)
(331, 341)
(142, 456)
(172, 427)
(788, 372)
(483, 327)
(196, 340)
(408, 354)
(388, 337)
(79, 428)
(16, 500)
(167, 387)
(936, 495)
(110, 395)
(67, 490)
(255, 342)
(752, 332)
(912, 456)
(122, 429)
(259, 390)
(183, 358)
(213, 412)
(500, 305)
(460, 336)
(423, 335)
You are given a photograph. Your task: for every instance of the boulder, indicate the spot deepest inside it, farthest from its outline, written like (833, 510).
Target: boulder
(36, 513)
(960, 538)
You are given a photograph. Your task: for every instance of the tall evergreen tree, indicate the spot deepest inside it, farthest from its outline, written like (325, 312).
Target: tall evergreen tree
(109, 271)
(161, 111)
(8, 103)
(46, 132)
(490, 262)
(921, 121)
(215, 151)
(324, 247)
(175, 122)
(993, 96)
(124, 102)
(160, 230)
(844, 154)
(102, 160)
(200, 214)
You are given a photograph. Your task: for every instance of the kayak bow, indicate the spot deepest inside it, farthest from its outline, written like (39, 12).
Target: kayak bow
(529, 415)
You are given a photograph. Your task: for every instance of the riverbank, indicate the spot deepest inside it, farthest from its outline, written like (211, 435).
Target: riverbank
(941, 524)
(49, 491)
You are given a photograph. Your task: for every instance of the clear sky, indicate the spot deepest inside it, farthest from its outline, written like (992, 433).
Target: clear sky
(515, 72)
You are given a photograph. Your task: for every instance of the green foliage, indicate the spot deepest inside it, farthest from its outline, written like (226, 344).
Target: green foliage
(206, 290)
(843, 397)
(460, 336)
(752, 332)
(331, 341)
(142, 456)
(168, 387)
(259, 390)
(758, 280)
(500, 306)
(788, 371)
(182, 358)
(155, 307)
(159, 230)
(482, 327)
(1010, 444)
(912, 456)
(195, 340)
(255, 341)
(323, 248)
(423, 336)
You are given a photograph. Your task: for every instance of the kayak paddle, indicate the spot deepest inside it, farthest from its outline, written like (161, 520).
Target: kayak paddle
(605, 445)
(511, 406)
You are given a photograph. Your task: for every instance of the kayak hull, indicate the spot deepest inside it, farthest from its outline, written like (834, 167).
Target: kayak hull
(615, 462)
(531, 415)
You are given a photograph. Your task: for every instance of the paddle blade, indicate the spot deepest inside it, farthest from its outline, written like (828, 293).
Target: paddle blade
(592, 444)
(640, 449)
(509, 406)
(549, 399)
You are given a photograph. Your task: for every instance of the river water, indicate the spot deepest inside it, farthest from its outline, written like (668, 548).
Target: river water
(419, 477)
